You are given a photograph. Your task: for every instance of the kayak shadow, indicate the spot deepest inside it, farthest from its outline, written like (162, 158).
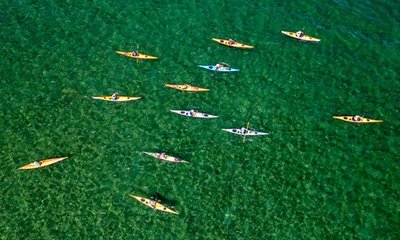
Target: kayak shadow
(162, 199)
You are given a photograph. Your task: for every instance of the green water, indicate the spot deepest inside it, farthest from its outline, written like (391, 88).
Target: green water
(313, 177)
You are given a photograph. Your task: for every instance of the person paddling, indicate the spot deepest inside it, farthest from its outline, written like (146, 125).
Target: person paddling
(162, 155)
(299, 34)
(114, 96)
(37, 164)
(192, 113)
(231, 41)
(153, 204)
(356, 118)
(135, 53)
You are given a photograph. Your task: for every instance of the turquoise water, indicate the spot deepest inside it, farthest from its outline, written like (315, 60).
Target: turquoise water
(313, 177)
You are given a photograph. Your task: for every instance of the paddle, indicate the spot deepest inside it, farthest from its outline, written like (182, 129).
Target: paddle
(225, 64)
(244, 134)
(137, 49)
(183, 161)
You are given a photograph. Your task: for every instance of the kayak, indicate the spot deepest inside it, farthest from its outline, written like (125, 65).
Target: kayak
(243, 132)
(138, 56)
(157, 206)
(219, 69)
(42, 163)
(165, 157)
(356, 119)
(234, 44)
(302, 38)
(187, 88)
(119, 99)
(194, 114)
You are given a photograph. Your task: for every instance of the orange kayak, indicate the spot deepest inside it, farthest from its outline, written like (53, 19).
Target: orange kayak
(137, 55)
(232, 43)
(42, 163)
(356, 119)
(187, 88)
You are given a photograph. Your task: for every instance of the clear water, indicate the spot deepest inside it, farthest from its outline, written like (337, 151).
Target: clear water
(313, 178)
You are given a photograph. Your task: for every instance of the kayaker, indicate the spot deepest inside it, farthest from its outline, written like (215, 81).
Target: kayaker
(231, 41)
(299, 34)
(153, 204)
(114, 96)
(192, 113)
(356, 118)
(37, 164)
(219, 66)
(135, 53)
(244, 130)
(161, 155)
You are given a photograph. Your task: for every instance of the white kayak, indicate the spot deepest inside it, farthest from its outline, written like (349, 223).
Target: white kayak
(219, 68)
(165, 157)
(244, 132)
(193, 114)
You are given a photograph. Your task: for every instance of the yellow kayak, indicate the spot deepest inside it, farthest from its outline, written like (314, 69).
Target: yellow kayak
(301, 36)
(187, 88)
(136, 55)
(232, 43)
(356, 119)
(42, 163)
(117, 99)
(154, 205)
